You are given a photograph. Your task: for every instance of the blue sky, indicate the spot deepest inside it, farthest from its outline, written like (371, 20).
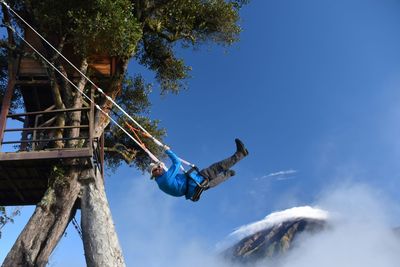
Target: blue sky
(312, 88)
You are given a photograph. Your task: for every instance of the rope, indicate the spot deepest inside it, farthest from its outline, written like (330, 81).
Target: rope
(134, 130)
(145, 132)
(83, 75)
(77, 227)
(151, 155)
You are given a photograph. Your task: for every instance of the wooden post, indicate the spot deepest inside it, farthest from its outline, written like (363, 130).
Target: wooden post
(5, 106)
(102, 154)
(12, 72)
(91, 119)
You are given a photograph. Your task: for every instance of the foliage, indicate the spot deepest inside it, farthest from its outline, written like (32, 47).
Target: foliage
(148, 31)
(16, 101)
(188, 22)
(105, 27)
(134, 100)
(93, 27)
(7, 218)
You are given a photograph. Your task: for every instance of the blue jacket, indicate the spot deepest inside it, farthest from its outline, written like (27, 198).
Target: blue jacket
(174, 182)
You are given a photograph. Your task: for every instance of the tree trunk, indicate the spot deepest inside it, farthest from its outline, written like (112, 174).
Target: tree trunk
(51, 217)
(47, 224)
(100, 240)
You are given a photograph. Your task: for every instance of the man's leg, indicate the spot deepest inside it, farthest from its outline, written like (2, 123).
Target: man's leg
(222, 177)
(219, 167)
(222, 166)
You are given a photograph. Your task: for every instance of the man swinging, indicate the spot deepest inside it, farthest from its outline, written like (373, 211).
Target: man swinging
(192, 183)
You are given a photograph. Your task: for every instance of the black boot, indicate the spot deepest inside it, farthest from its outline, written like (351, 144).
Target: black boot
(240, 147)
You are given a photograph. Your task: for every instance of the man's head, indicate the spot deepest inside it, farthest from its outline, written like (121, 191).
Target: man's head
(156, 169)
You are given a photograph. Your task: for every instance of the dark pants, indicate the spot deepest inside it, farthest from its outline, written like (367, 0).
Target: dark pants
(219, 171)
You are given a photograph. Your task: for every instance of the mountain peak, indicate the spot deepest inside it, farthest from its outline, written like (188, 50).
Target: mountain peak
(278, 217)
(275, 234)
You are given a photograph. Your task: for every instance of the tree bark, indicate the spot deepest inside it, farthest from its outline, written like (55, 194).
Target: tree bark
(47, 224)
(100, 240)
(52, 215)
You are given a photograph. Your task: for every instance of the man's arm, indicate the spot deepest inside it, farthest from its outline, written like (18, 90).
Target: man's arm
(176, 163)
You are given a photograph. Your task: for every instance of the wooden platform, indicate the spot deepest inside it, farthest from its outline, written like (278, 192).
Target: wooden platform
(24, 175)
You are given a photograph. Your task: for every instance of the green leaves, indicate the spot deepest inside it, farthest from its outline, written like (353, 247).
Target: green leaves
(93, 27)
(7, 218)
(148, 31)
(134, 100)
(105, 27)
(186, 22)
(158, 55)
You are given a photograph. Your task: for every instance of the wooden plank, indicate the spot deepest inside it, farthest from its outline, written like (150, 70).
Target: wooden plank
(104, 69)
(48, 112)
(45, 128)
(101, 64)
(102, 154)
(5, 107)
(31, 67)
(36, 155)
(12, 185)
(43, 140)
(26, 194)
(91, 117)
(14, 201)
(33, 82)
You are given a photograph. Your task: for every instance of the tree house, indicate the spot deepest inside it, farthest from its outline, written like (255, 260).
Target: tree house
(24, 171)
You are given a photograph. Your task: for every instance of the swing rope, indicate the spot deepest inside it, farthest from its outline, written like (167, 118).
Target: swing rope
(143, 130)
(151, 155)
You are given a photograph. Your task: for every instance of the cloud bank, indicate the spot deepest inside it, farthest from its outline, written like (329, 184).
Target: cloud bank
(361, 234)
(154, 234)
(279, 175)
(278, 217)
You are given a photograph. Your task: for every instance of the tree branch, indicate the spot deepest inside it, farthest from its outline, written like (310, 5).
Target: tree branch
(171, 35)
(6, 44)
(75, 116)
(145, 8)
(60, 121)
(127, 154)
(7, 21)
(102, 121)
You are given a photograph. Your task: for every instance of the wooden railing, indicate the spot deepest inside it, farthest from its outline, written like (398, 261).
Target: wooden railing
(43, 131)
(40, 132)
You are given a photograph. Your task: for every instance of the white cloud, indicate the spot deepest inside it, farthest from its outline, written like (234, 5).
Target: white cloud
(361, 233)
(279, 217)
(280, 175)
(154, 233)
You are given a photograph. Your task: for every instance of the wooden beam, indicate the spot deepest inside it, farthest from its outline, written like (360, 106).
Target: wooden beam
(4, 201)
(11, 68)
(45, 128)
(91, 118)
(5, 107)
(102, 154)
(33, 82)
(48, 112)
(12, 184)
(44, 140)
(55, 154)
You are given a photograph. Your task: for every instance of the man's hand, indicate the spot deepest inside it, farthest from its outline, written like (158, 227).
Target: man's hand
(166, 147)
